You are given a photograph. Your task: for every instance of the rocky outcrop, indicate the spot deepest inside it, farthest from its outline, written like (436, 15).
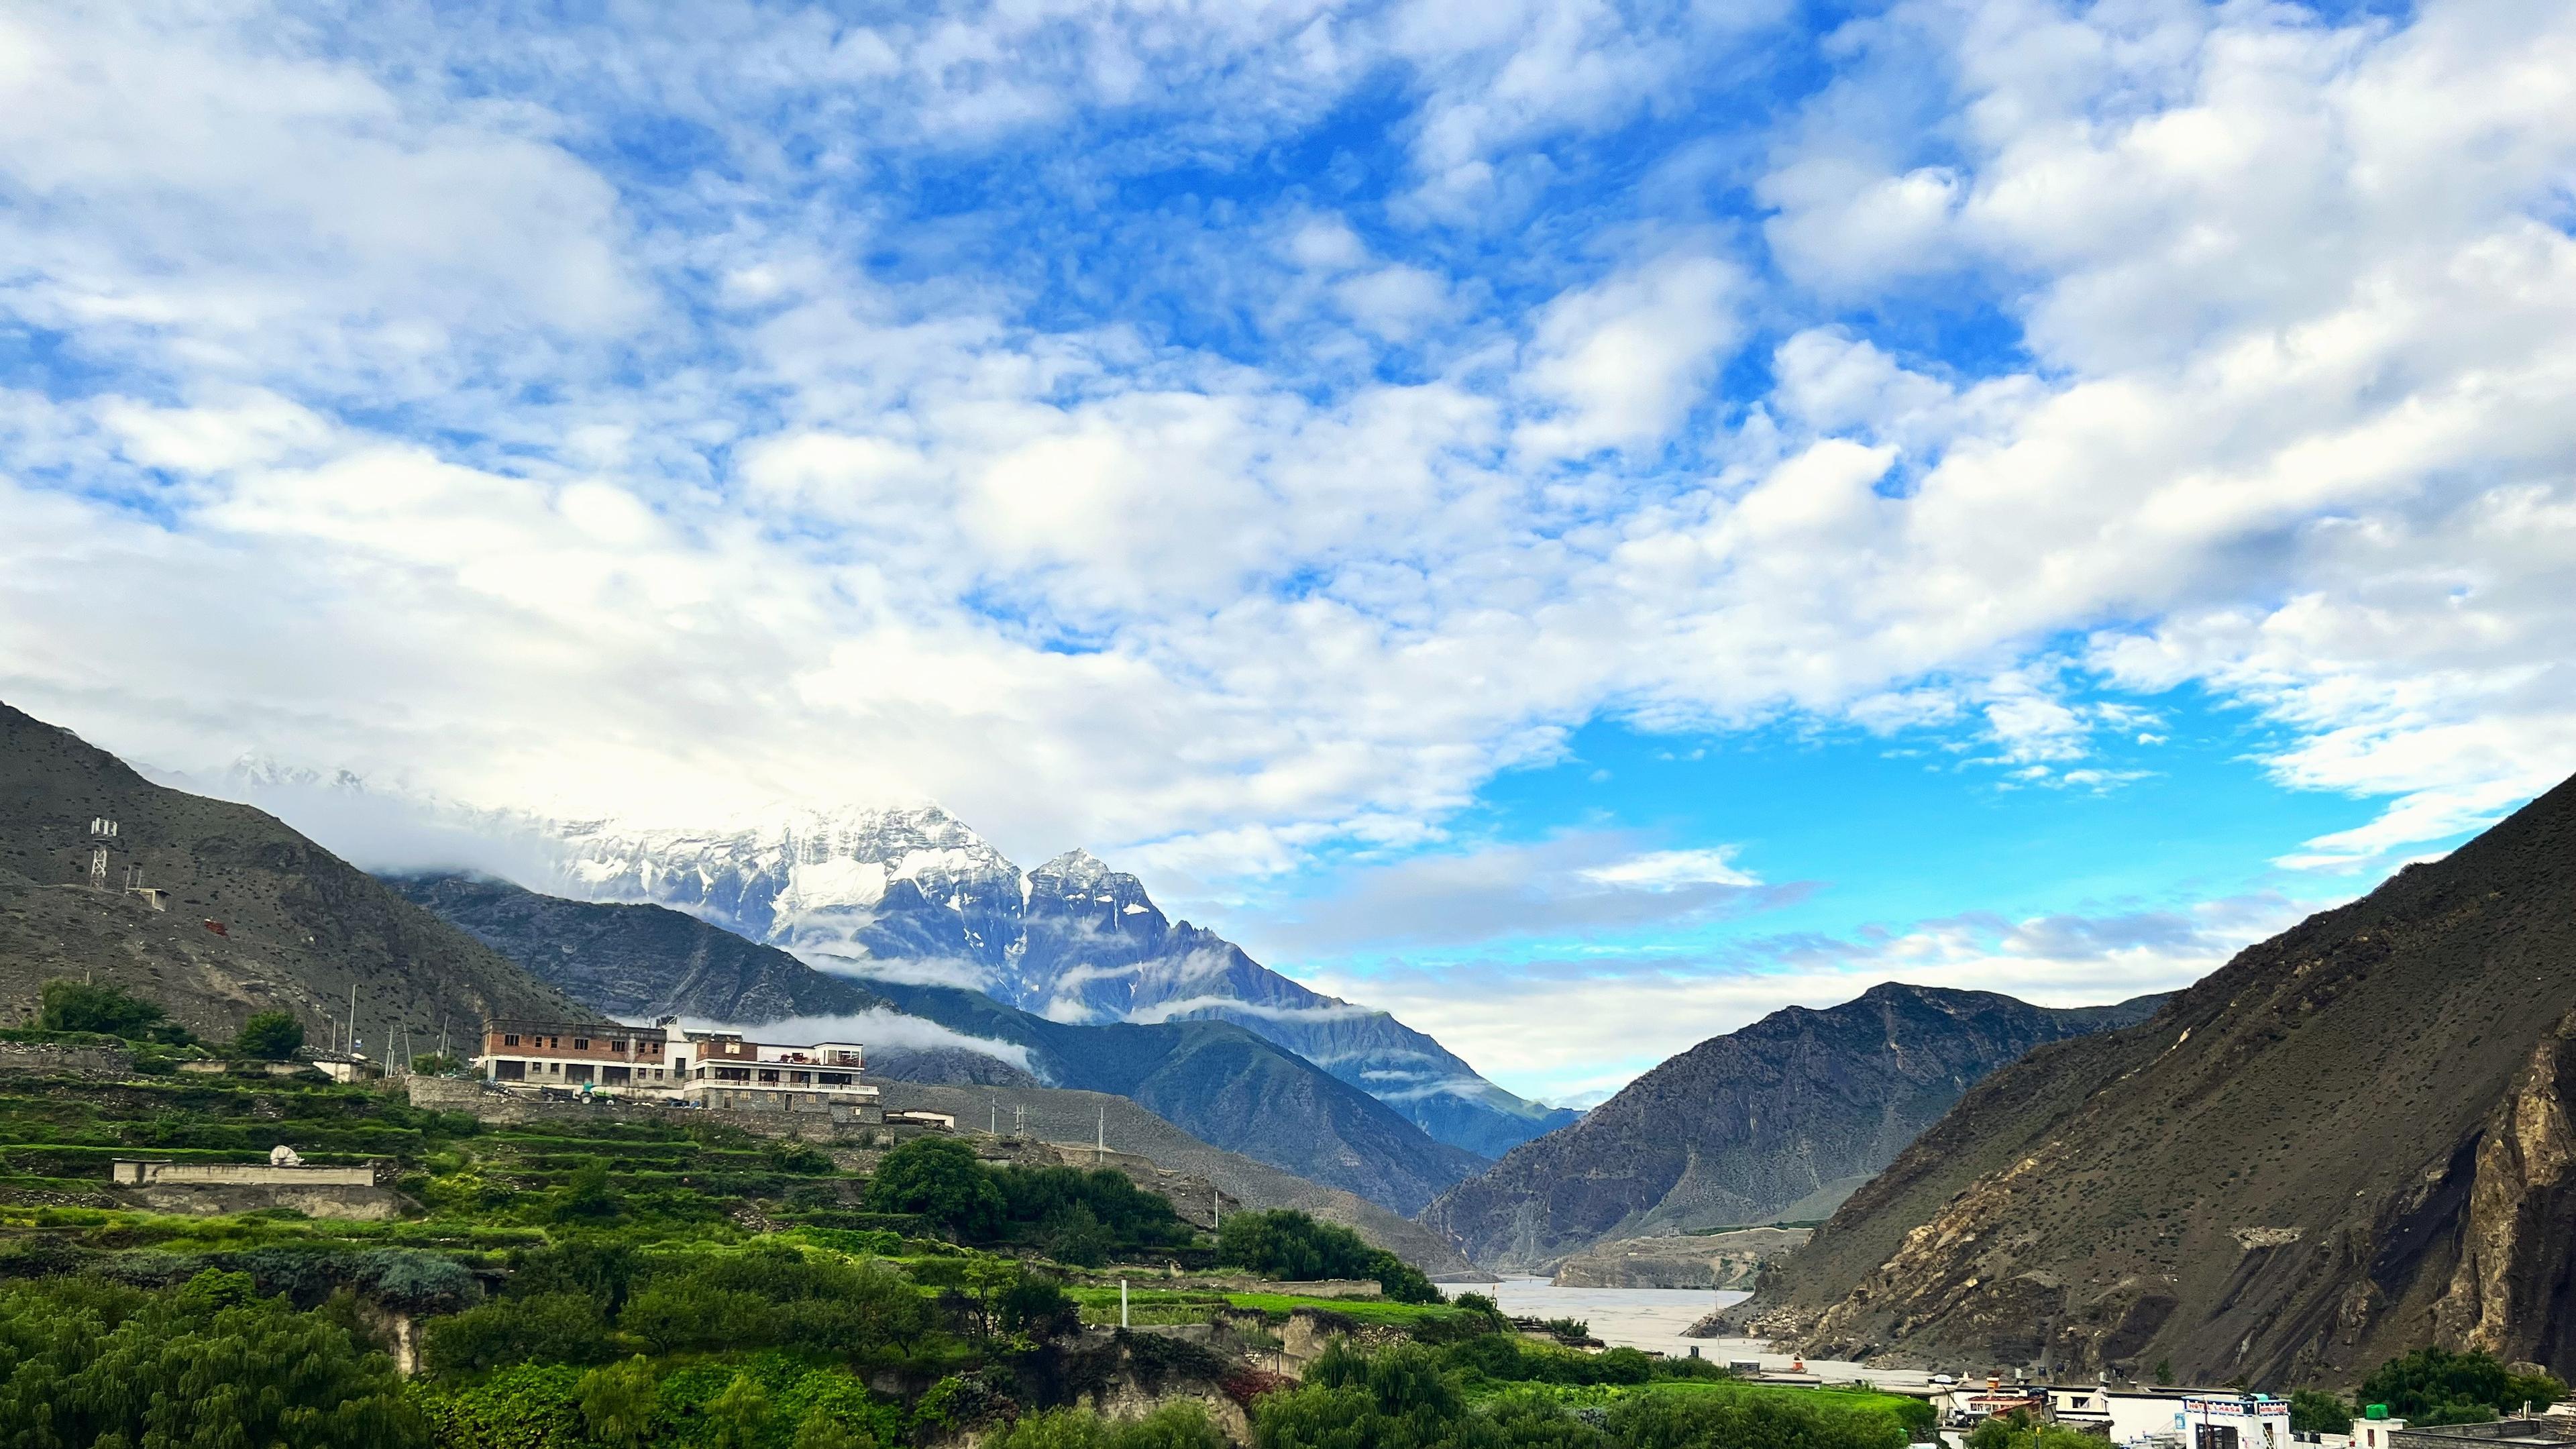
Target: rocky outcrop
(2351, 1140)
(1218, 1080)
(1701, 1260)
(1774, 1123)
(2518, 1247)
(914, 894)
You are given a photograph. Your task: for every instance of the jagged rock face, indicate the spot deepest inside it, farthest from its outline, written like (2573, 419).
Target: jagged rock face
(914, 894)
(901, 884)
(2350, 1141)
(1216, 1079)
(1774, 1122)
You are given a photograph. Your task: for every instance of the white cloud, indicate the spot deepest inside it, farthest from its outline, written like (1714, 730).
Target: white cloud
(880, 1029)
(443, 440)
(1624, 361)
(1581, 1027)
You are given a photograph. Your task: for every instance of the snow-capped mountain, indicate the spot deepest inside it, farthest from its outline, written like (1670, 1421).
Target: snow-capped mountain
(912, 894)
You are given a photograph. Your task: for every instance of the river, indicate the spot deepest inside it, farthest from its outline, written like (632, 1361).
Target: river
(1653, 1319)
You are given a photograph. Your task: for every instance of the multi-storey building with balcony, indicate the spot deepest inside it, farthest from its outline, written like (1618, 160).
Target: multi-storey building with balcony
(716, 1069)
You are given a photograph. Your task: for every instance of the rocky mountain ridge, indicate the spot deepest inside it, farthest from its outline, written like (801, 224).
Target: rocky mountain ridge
(1776, 1121)
(913, 894)
(2353, 1139)
(1223, 1084)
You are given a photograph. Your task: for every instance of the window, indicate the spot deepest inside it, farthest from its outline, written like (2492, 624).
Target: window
(769, 1079)
(833, 1079)
(800, 1079)
(553, 1042)
(510, 1039)
(581, 1043)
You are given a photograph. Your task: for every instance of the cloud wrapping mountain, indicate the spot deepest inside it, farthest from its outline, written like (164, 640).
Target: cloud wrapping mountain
(910, 894)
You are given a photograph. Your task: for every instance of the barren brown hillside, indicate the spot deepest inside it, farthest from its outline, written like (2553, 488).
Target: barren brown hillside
(300, 925)
(2351, 1140)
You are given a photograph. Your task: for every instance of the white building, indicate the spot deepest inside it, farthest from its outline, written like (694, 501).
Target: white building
(718, 1069)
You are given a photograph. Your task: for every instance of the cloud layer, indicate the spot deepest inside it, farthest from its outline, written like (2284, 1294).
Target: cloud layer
(1240, 431)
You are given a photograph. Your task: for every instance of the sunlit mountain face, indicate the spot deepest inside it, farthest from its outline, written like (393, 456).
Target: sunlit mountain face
(913, 894)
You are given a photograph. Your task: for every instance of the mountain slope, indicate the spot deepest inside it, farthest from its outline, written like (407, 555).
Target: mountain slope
(640, 963)
(1776, 1121)
(1065, 1116)
(2352, 1139)
(914, 894)
(300, 925)
(1219, 1081)
(1224, 1085)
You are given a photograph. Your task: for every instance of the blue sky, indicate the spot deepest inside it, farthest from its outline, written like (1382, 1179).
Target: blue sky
(1581, 523)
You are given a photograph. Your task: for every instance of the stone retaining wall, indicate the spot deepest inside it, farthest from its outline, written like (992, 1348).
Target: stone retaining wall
(128, 1173)
(108, 1064)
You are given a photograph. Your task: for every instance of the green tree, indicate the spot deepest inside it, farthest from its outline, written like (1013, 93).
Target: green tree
(107, 1010)
(820, 1430)
(939, 1178)
(1285, 1243)
(270, 1036)
(1035, 1307)
(2313, 1411)
(81, 1364)
(588, 1196)
(2436, 1386)
(533, 1328)
(618, 1402)
(740, 1415)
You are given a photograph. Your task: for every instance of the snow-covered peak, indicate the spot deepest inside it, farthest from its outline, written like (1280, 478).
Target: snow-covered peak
(260, 771)
(1075, 870)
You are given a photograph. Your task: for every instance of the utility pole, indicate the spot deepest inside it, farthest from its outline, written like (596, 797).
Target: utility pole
(1100, 1144)
(992, 1118)
(353, 1020)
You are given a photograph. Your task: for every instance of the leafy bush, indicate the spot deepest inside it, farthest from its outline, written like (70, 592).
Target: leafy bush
(1741, 1419)
(604, 1271)
(561, 1328)
(2435, 1386)
(775, 1295)
(620, 1402)
(1173, 1426)
(108, 1010)
(535, 1407)
(1035, 1307)
(271, 1036)
(209, 1363)
(1080, 1217)
(2315, 1412)
(939, 1178)
(1285, 1243)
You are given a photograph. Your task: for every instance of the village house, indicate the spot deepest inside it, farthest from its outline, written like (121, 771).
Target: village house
(716, 1069)
(2135, 1418)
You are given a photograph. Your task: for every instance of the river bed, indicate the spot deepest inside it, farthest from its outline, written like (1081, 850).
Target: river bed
(1653, 1319)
